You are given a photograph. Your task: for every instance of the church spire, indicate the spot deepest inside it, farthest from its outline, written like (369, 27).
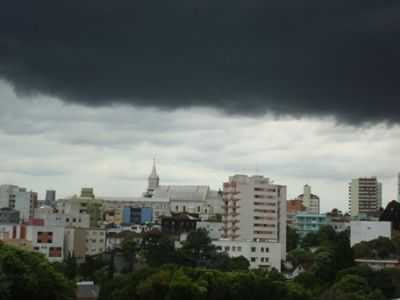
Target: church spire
(154, 170)
(154, 179)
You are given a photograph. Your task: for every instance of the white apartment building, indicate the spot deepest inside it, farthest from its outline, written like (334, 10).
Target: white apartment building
(259, 254)
(398, 187)
(48, 240)
(365, 195)
(364, 231)
(19, 198)
(310, 201)
(52, 218)
(255, 211)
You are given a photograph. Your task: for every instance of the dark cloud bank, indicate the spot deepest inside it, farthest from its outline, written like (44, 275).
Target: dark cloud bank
(293, 57)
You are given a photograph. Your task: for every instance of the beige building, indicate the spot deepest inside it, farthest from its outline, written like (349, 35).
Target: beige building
(254, 210)
(86, 203)
(365, 195)
(310, 201)
(84, 241)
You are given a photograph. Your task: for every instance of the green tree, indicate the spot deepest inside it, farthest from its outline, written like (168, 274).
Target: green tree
(352, 287)
(158, 249)
(129, 249)
(197, 250)
(292, 239)
(28, 275)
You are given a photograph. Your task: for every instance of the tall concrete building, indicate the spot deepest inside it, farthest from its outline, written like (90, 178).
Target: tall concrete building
(254, 211)
(310, 201)
(365, 195)
(18, 198)
(398, 187)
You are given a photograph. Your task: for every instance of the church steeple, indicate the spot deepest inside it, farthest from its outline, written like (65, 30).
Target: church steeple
(154, 179)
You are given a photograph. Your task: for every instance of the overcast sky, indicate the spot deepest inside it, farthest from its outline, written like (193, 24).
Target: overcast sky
(300, 91)
(47, 144)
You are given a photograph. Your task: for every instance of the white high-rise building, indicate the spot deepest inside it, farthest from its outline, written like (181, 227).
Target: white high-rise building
(310, 201)
(254, 211)
(398, 187)
(18, 198)
(365, 195)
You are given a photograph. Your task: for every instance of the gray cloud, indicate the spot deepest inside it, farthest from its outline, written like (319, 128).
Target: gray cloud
(111, 149)
(297, 58)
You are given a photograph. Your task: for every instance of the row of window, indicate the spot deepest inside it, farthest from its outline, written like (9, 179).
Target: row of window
(262, 232)
(262, 259)
(272, 211)
(262, 249)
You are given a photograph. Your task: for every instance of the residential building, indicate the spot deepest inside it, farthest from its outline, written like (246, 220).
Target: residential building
(254, 210)
(365, 195)
(159, 206)
(259, 254)
(86, 203)
(295, 206)
(113, 216)
(398, 187)
(310, 201)
(9, 216)
(82, 242)
(306, 223)
(179, 223)
(364, 231)
(18, 198)
(48, 240)
(137, 215)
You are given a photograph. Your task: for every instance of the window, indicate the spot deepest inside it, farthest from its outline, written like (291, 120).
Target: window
(233, 249)
(262, 249)
(45, 237)
(253, 249)
(226, 248)
(239, 248)
(253, 259)
(55, 252)
(262, 259)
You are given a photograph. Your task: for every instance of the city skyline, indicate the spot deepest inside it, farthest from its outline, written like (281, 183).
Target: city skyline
(52, 145)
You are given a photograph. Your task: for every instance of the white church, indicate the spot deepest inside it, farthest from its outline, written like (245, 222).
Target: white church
(198, 199)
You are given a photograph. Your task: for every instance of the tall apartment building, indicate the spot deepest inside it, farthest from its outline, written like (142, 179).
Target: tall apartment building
(398, 187)
(254, 210)
(18, 198)
(310, 201)
(365, 195)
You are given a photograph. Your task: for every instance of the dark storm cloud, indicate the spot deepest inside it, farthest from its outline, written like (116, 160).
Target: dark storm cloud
(313, 57)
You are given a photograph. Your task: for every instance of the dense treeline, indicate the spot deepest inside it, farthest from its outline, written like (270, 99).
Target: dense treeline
(28, 275)
(154, 269)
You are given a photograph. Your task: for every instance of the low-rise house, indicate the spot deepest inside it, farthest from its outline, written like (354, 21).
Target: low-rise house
(259, 254)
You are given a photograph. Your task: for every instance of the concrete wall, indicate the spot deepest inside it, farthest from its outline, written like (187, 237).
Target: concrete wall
(368, 230)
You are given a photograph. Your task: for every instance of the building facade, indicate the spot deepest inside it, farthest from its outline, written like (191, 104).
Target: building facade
(259, 254)
(310, 201)
(18, 198)
(305, 223)
(364, 231)
(365, 195)
(254, 210)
